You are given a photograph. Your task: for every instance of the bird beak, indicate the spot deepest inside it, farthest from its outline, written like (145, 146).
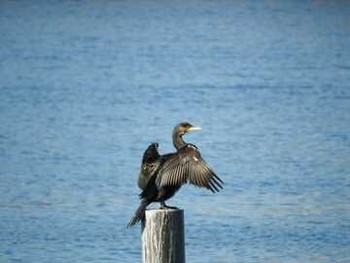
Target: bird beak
(194, 129)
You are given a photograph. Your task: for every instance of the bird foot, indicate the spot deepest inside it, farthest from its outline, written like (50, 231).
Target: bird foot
(164, 206)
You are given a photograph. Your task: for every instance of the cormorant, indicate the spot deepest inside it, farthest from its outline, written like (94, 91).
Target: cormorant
(162, 176)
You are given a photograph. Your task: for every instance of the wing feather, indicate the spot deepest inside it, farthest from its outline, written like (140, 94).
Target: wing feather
(187, 165)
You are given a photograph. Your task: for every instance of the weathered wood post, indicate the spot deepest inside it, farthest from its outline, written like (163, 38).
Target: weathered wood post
(163, 236)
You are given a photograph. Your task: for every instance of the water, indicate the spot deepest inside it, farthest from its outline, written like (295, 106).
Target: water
(87, 85)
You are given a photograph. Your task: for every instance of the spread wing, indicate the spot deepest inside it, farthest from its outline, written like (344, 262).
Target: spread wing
(150, 165)
(187, 165)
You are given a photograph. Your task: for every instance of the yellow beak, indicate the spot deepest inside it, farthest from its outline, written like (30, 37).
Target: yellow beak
(194, 129)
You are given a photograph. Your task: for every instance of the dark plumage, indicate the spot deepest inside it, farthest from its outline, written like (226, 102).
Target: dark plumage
(149, 161)
(162, 176)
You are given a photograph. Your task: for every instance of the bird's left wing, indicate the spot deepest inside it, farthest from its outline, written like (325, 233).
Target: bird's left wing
(187, 165)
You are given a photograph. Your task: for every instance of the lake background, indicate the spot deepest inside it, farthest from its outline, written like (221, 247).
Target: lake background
(87, 85)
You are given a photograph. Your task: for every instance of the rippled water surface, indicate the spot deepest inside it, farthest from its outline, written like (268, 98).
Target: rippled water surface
(87, 85)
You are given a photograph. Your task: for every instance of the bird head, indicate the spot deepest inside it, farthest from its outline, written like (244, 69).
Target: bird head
(185, 127)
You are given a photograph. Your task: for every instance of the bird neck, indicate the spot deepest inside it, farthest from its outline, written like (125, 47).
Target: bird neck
(177, 139)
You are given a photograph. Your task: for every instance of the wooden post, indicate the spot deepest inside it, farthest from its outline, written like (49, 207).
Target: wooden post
(163, 236)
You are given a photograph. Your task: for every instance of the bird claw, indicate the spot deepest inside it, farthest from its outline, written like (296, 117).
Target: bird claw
(164, 206)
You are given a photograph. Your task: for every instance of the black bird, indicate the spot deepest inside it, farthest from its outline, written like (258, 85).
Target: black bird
(167, 173)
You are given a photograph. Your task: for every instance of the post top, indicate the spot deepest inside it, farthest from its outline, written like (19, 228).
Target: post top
(164, 211)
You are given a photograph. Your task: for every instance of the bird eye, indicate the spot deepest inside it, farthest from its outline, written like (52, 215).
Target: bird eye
(187, 125)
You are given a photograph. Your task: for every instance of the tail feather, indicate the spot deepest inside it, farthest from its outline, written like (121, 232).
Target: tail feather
(139, 214)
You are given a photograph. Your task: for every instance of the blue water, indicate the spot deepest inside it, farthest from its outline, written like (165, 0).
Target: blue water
(87, 85)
